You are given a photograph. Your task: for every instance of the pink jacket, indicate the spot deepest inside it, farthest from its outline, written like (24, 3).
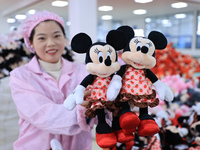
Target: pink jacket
(39, 102)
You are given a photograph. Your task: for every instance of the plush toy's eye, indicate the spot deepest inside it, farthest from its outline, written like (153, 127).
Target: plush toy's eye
(138, 46)
(108, 61)
(192, 129)
(147, 45)
(100, 57)
(108, 55)
(145, 49)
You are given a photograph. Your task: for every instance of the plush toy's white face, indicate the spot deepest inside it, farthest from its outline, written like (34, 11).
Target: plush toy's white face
(197, 140)
(173, 129)
(141, 53)
(103, 61)
(195, 130)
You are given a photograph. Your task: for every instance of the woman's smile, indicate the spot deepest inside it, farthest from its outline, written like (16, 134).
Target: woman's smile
(52, 51)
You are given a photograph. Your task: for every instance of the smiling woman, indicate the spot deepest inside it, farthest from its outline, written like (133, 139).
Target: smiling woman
(48, 41)
(40, 87)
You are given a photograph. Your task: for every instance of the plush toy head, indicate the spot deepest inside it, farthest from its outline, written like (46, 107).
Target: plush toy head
(174, 134)
(101, 57)
(140, 51)
(195, 130)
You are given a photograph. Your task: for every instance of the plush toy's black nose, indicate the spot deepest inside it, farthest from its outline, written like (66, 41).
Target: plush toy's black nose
(144, 49)
(108, 61)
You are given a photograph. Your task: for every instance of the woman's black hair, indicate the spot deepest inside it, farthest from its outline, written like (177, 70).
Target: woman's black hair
(68, 54)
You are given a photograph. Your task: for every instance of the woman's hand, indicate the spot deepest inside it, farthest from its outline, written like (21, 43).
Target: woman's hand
(87, 93)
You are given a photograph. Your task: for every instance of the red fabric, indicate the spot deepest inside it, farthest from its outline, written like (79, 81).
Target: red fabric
(148, 128)
(128, 122)
(172, 62)
(154, 144)
(194, 148)
(107, 140)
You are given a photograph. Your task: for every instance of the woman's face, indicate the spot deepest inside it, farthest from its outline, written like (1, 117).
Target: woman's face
(49, 41)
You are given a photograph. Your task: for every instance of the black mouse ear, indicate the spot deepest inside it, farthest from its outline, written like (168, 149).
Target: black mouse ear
(81, 42)
(158, 39)
(116, 39)
(128, 31)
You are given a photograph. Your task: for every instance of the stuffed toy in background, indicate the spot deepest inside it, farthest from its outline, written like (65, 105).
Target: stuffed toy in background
(101, 63)
(174, 136)
(175, 62)
(137, 90)
(146, 143)
(12, 55)
(195, 130)
(177, 83)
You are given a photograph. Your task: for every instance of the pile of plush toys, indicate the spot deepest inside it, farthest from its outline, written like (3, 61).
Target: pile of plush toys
(12, 55)
(176, 63)
(13, 52)
(143, 114)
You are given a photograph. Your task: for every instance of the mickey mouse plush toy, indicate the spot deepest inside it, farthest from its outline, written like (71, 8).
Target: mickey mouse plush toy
(101, 63)
(137, 90)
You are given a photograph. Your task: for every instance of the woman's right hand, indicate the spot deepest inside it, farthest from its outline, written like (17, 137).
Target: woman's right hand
(87, 93)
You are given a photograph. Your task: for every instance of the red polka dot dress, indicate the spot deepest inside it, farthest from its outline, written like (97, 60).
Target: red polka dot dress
(195, 148)
(136, 87)
(98, 98)
(154, 144)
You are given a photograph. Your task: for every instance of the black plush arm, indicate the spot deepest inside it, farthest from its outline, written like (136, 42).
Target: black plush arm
(151, 76)
(89, 79)
(122, 70)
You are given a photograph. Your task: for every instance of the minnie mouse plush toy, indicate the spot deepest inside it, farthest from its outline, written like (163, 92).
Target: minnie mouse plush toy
(137, 90)
(101, 63)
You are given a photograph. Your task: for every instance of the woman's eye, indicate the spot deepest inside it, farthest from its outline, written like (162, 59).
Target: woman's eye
(41, 38)
(100, 57)
(57, 36)
(138, 46)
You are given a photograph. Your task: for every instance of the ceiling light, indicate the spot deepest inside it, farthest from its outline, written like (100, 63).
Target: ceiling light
(139, 32)
(105, 8)
(148, 20)
(179, 5)
(180, 16)
(13, 28)
(139, 11)
(10, 20)
(31, 12)
(106, 17)
(68, 23)
(143, 1)
(59, 3)
(166, 23)
(20, 17)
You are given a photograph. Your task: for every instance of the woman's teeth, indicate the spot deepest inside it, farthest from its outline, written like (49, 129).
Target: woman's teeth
(51, 51)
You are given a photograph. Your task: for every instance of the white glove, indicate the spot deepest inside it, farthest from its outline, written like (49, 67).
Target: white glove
(163, 91)
(75, 98)
(55, 145)
(114, 87)
(196, 108)
(183, 131)
(197, 140)
(162, 114)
